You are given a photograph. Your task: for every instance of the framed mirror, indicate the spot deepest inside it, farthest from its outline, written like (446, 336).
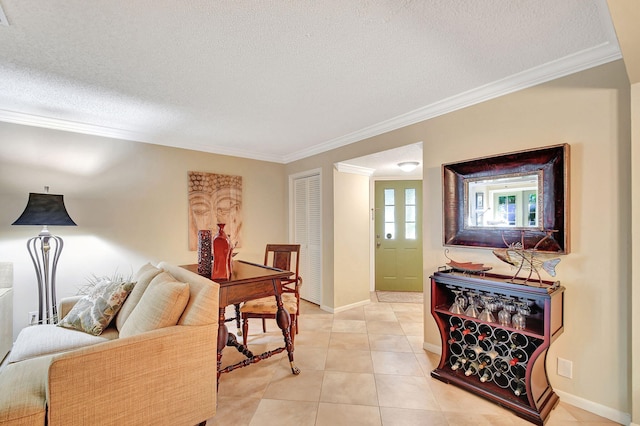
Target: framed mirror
(506, 198)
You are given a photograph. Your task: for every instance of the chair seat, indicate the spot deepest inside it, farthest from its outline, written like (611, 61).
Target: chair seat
(267, 305)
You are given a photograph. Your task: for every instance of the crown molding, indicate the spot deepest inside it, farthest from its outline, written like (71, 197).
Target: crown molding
(580, 61)
(598, 55)
(355, 170)
(69, 126)
(123, 134)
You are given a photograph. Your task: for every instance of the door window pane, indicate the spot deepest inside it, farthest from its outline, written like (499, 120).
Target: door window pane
(389, 214)
(411, 231)
(410, 213)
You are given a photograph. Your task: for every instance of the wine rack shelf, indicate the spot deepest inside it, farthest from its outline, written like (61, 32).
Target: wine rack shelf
(495, 335)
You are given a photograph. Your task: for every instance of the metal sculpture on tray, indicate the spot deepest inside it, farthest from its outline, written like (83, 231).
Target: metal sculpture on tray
(527, 259)
(466, 267)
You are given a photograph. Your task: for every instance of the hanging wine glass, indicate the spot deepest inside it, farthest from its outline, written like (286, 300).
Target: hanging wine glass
(520, 318)
(472, 310)
(487, 315)
(508, 307)
(459, 302)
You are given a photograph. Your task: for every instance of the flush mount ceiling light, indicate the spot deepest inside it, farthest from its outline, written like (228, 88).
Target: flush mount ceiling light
(408, 166)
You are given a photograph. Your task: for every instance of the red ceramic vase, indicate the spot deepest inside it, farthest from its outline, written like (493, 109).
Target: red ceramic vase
(221, 255)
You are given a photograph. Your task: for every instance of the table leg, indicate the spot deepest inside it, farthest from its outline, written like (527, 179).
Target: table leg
(284, 322)
(232, 341)
(238, 319)
(223, 335)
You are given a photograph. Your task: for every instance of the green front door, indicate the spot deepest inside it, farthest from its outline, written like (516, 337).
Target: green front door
(398, 237)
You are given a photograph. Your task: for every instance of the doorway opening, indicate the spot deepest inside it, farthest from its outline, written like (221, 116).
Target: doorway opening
(396, 207)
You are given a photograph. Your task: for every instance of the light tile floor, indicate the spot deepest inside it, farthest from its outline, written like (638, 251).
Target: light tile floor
(364, 366)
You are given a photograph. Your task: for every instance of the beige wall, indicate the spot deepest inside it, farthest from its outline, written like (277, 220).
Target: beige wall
(129, 201)
(625, 15)
(351, 237)
(635, 259)
(590, 111)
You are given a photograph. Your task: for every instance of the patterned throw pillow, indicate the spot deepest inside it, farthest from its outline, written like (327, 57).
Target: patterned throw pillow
(94, 311)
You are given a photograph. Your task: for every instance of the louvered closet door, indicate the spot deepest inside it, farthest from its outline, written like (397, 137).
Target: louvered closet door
(307, 233)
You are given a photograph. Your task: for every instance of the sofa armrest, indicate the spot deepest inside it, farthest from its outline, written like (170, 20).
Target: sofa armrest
(65, 305)
(165, 376)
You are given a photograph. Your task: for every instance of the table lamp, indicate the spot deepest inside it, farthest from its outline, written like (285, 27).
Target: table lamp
(45, 210)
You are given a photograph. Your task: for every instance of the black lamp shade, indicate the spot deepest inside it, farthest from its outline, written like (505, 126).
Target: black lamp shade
(45, 209)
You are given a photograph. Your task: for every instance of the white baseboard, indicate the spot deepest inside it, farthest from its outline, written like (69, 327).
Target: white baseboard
(595, 408)
(344, 308)
(436, 349)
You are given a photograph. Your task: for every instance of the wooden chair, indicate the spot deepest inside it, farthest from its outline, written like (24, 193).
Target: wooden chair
(281, 256)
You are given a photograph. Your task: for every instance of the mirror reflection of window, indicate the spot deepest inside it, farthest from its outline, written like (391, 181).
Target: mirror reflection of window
(506, 211)
(504, 201)
(531, 207)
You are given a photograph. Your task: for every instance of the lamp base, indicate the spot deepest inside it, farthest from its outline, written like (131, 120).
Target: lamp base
(45, 251)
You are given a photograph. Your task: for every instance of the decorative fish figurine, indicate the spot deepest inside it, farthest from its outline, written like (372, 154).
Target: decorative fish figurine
(526, 259)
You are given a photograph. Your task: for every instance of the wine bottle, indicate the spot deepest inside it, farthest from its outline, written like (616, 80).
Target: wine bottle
(486, 358)
(472, 352)
(455, 362)
(455, 336)
(470, 339)
(455, 323)
(517, 386)
(456, 348)
(501, 364)
(520, 354)
(501, 335)
(518, 340)
(502, 349)
(471, 368)
(500, 379)
(518, 371)
(484, 331)
(486, 345)
(487, 375)
(470, 327)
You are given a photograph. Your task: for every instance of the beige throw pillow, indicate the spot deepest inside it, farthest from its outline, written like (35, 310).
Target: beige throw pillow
(94, 311)
(160, 306)
(143, 278)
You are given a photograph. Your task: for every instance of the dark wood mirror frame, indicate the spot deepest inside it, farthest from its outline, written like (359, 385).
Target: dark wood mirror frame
(553, 161)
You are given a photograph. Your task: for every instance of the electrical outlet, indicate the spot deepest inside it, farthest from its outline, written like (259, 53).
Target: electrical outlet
(565, 368)
(33, 317)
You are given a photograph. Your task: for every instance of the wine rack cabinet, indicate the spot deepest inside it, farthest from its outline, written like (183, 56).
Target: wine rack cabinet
(501, 357)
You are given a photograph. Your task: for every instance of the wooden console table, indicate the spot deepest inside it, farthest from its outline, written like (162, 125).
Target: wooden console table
(251, 281)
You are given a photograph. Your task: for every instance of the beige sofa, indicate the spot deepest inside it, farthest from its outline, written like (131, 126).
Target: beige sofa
(154, 364)
(6, 308)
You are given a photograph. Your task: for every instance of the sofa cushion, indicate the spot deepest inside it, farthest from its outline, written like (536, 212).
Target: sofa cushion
(23, 399)
(38, 340)
(142, 278)
(160, 306)
(203, 299)
(93, 312)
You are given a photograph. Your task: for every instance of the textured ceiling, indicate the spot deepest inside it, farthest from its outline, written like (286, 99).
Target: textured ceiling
(280, 80)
